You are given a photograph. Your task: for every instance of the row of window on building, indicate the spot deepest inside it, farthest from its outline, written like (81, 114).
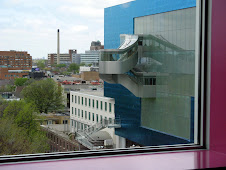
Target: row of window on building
(87, 115)
(87, 102)
(11, 75)
(83, 126)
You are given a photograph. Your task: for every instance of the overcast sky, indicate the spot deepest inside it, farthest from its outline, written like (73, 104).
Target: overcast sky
(31, 25)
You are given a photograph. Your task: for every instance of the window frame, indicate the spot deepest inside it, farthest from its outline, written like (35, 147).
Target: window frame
(203, 51)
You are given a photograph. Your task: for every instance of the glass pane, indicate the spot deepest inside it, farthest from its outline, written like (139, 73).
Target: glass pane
(136, 89)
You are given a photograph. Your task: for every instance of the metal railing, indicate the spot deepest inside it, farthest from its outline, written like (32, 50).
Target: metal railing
(84, 136)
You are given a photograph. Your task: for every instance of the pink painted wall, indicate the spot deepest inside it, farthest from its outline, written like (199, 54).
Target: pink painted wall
(218, 77)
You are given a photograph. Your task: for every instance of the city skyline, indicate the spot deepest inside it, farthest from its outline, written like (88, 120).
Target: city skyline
(32, 25)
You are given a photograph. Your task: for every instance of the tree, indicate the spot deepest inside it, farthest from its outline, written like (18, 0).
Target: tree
(46, 94)
(3, 105)
(73, 67)
(20, 132)
(13, 108)
(66, 73)
(41, 64)
(61, 65)
(20, 81)
(10, 88)
(23, 114)
(82, 64)
(13, 140)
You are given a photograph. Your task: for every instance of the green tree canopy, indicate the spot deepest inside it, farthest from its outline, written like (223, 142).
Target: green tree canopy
(3, 105)
(46, 94)
(20, 81)
(82, 64)
(41, 64)
(73, 67)
(13, 140)
(61, 65)
(20, 132)
(23, 114)
(13, 108)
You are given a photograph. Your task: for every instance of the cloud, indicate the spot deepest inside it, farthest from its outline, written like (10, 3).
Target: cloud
(79, 28)
(89, 12)
(96, 3)
(32, 25)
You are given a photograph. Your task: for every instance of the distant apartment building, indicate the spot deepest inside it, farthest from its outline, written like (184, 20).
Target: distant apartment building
(96, 45)
(90, 57)
(65, 58)
(75, 58)
(90, 111)
(14, 64)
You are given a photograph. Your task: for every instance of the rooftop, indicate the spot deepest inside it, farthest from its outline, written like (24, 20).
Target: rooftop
(98, 92)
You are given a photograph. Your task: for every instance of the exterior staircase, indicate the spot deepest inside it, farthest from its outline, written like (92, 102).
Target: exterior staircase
(84, 136)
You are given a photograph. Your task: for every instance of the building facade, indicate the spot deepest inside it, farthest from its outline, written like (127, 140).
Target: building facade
(65, 58)
(91, 109)
(59, 141)
(14, 64)
(168, 44)
(90, 57)
(75, 58)
(96, 45)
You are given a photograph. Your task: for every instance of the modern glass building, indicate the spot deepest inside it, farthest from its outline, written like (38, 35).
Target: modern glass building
(90, 57)
(162, 112)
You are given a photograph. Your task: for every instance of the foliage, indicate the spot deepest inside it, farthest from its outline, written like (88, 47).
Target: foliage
(29, 81)
(73, 67)
(61, 65)
(20, 132)
(23, 114)
(3, 105)
(13, 108)
(20, 81)
(10, 88)
(41, 64)
(13, 140)
(89, 65)
(47, 69)
(82, 64)
(46, 94)
(66, 73)
(7, 88)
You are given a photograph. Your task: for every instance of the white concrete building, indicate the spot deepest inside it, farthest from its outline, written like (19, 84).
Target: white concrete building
(84, 68)
(91, 108)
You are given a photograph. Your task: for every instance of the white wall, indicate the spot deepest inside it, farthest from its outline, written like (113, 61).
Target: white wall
(83, 68)
(86, 108)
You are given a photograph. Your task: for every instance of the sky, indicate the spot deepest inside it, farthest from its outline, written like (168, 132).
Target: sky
(31, 25)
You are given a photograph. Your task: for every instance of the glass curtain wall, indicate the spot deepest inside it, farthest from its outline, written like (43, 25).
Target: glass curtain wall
(168, 50)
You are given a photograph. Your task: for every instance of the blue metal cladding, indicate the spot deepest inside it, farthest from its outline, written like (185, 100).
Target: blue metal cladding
(127, 106)
(119, 20)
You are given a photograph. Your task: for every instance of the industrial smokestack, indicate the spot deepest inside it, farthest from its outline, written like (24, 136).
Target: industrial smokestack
(58, 46)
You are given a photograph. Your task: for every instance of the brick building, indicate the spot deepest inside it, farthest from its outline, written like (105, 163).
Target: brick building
(90, 75)
(14, 64)
(60, 141)
(65, 58)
